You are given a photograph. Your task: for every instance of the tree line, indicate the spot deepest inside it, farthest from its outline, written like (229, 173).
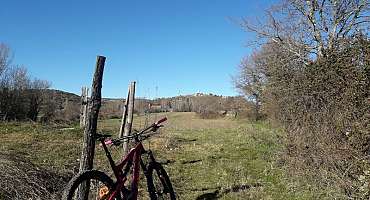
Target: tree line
(21, 96)
(205, 105)
(310, 73)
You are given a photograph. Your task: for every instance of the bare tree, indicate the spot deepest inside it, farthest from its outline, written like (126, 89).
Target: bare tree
(315, 58)
(20, 96)
(4, 64)
(17, 98)
(250, 81)
(5, 59)
(311, 26)
(36, 97)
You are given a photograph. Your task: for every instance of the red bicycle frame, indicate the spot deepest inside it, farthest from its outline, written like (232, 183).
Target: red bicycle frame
(132, 158)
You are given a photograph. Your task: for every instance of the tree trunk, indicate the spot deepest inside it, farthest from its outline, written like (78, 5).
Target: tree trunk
(87, 157)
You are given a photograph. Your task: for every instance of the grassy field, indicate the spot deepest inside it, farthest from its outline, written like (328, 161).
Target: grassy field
(206, 158)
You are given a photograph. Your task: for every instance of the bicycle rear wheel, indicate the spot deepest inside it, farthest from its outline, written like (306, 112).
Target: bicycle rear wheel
(99, 186)
(159, 184)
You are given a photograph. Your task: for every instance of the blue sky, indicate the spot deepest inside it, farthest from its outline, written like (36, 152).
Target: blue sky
(179, 46)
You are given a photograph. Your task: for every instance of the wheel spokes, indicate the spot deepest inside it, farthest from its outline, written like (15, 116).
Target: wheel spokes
(96, 190)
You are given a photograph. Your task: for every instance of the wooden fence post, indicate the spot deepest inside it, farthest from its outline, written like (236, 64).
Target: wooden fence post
(130, 114)
(88, 148)
(124, 114)
(84, 106)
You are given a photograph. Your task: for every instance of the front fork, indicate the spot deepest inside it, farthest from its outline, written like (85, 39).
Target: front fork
(151, 159)
(136, 174)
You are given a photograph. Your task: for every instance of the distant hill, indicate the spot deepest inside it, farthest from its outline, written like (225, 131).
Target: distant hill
(60, 105)
(67, 105)
(62, 98)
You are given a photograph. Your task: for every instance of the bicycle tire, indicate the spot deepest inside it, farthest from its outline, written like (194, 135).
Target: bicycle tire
(156, 170)
(72, 186)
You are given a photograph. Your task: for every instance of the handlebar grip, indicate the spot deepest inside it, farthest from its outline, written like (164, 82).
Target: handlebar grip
(161, 120)
(107, 142)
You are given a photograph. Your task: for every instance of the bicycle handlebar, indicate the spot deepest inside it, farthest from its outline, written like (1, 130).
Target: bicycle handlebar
(151, 128)
(161, 120)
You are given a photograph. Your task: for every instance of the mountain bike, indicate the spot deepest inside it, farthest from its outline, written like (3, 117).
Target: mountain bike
(100, 186)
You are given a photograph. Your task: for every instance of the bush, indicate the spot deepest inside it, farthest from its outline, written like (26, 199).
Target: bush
(209, 114)
(325, 110)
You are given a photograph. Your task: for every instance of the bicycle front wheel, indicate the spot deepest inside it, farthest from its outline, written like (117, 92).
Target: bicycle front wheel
(99, 186)
(159, 184)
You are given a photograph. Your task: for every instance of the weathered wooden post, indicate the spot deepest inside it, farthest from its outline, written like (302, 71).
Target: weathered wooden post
(88, 148)
(130, 114)
(84, 106)
(124, 114)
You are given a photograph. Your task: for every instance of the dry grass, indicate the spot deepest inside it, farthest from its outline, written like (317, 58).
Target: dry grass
(218, 158)
(21, 179)
(205, 158)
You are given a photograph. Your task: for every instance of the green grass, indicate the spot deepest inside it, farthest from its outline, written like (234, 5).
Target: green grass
(215, 160)
(223, 158)
(50, 147)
